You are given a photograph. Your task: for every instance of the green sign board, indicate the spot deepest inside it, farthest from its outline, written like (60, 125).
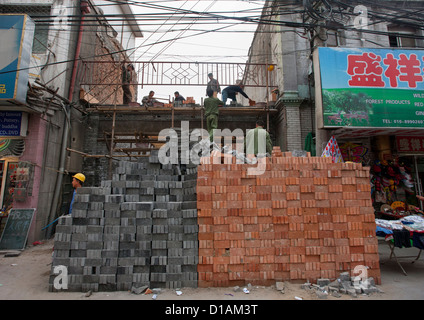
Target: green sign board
(381, 88)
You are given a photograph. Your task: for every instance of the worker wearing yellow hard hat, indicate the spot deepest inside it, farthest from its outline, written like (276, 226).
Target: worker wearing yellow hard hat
(80, 177)
(77, 182)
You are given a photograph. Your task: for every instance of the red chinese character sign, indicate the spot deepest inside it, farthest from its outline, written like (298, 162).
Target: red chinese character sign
(410, 144)
(364, 87)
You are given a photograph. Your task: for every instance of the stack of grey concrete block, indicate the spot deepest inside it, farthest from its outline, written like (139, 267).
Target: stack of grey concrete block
(138, 229)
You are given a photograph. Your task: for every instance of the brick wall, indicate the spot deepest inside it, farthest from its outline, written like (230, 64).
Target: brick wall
(303, 219)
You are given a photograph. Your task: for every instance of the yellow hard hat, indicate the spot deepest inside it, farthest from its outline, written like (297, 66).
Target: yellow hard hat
(79, 176)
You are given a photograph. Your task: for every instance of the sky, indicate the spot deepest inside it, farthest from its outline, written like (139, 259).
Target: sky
(229, 46)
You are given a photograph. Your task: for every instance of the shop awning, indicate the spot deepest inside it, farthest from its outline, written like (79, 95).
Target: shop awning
(355, 133)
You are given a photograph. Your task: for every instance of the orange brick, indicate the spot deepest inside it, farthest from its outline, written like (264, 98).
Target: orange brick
(311, 203)
(203, 244)
(296, 234)
(205, 276)
(219, 268)
(310, 219)
(311, 234)
(312, 275)
(356, 241)
(221, 244)
(294, 204)
(236, 236)
(237, 243)
(219, 204)
(329, 273)
(307, 188)
(220, 236)
(206, 260)
(279, 204)
(204, 268)
(294, 211)
(292, 196)
(206, 236)
(313, 251)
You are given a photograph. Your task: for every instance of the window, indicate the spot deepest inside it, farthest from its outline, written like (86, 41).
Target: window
(397, 38)
(41, 16)
(332, 38)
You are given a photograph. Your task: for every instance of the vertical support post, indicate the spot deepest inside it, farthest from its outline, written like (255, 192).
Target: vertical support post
(112, 137)
(172, 115)
(418, 181)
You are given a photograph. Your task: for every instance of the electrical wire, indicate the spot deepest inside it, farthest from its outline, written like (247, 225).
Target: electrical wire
(259, 23)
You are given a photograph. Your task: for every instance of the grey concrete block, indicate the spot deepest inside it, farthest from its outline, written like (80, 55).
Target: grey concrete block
(79, 213)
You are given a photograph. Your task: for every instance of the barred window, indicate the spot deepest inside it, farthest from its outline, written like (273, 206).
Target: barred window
(40, 15)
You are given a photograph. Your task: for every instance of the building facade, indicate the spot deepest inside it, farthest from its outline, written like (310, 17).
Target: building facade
(315, 43)
(36, 163)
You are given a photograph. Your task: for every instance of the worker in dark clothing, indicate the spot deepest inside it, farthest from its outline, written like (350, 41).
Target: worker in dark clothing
(213, 84)
(126, 82)
(179, 99)
(231, 91)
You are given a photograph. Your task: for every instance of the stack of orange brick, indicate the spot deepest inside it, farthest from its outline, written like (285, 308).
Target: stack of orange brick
(304, 218)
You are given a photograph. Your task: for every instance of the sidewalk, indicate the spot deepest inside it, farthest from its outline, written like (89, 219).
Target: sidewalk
(26, 277)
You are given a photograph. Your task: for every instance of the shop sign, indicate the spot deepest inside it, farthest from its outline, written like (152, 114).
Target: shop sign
(364, 87)
(410, 144)
(15, 53)
(13, 123)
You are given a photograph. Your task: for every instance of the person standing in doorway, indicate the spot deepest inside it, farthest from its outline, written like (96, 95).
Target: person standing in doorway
(77, 182)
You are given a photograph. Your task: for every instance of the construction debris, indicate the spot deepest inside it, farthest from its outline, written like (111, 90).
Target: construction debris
(344, 284)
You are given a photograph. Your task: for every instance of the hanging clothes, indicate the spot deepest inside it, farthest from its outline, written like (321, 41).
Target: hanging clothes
(418, 240)
(402, 238)
(310, 144)
(332, 151)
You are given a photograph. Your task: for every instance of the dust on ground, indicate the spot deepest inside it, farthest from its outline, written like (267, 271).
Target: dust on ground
(26, 277)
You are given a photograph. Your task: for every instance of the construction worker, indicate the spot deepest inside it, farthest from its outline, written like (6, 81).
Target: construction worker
(179, 99)
(77, 182)
(213, 84)
(150, 101)
(212, 112)
(258, 140)
(231, 91)
(126, 81)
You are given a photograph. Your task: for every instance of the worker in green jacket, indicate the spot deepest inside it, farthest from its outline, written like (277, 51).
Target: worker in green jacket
(212, 105)
(258, 140)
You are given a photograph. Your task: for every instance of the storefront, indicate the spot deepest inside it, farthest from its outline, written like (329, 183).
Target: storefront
(396, 162)
(372, 102)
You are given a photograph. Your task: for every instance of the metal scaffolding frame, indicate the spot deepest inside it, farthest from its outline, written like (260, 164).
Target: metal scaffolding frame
(169, 73)
(190, 73)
